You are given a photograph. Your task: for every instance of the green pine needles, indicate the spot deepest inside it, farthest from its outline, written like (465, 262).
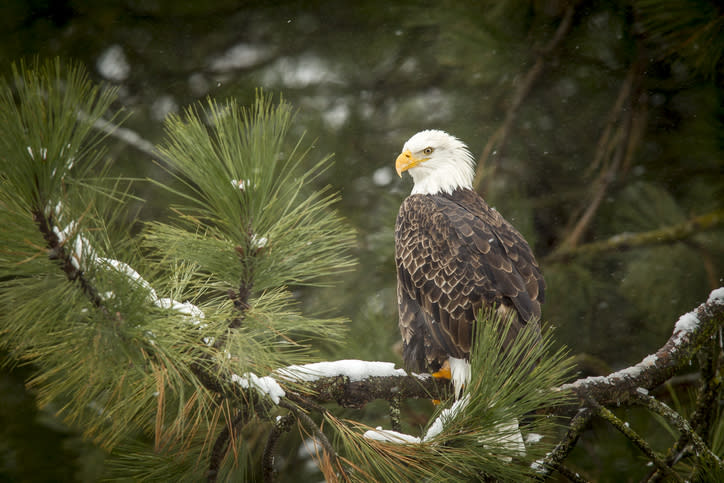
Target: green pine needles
(133, 341)
(160, 346)
(498, 430)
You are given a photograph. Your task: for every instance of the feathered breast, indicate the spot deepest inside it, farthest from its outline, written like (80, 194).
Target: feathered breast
(455, 255)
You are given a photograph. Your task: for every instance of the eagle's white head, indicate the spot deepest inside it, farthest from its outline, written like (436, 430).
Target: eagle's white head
(437, 162)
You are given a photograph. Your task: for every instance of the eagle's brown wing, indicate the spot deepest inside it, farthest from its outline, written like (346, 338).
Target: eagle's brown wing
(455, 255)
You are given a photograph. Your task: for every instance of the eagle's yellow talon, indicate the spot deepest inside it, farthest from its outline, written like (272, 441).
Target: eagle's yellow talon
(443, 373)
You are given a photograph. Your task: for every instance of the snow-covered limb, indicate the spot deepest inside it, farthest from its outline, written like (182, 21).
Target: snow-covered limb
(690, 332)
(78, 251)
(354, 383)
(354, 369)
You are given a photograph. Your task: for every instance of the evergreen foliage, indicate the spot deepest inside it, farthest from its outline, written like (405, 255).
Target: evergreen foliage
(110, 353)
(475, 437)
(601, 120)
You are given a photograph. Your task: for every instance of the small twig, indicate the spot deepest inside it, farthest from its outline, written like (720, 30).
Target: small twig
(570, 474)
(221, 445)
(128, 136)
(636, 439)
(619, 146)
(281, 425)
(553, 461)
(395, 413)
(316, 432)
(682, 425)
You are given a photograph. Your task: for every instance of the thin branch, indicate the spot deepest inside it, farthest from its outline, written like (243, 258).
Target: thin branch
(701, 418)
(58, 251)
(571, 475)
(221, 444)
(636, 439)
(316, 432)
(499, 138)
(281, 425)
(128, 136)
(553, 461)
(682, 425)
(628, 241)
(619, 147)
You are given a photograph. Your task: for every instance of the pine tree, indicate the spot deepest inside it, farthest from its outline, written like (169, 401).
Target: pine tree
(181, 347)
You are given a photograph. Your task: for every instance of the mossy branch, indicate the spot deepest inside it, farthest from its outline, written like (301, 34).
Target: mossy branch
(629, 241)
(636, 439)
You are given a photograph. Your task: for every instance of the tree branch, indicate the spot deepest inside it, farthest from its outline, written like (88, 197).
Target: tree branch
(625, 387)
(618, 147)
(636, 439)
(281, 425)
(682, 425)
(628, 241)
(554, 460)
(691, 332)
(57, 251)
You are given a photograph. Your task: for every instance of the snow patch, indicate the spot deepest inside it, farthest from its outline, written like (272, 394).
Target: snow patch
(265, 386)
(240, 56)
(716, 297)
(460, 374)
(130, 273)
(446, 415)
(649, 361)
(539, 467)
(533, 438)
(354, 369)
(258, 242)
(390, 436)
(687, 322)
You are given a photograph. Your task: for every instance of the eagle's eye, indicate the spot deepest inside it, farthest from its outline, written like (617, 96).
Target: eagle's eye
(427, 150)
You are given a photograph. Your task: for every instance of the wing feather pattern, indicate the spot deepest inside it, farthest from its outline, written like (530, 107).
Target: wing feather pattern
(454, 256)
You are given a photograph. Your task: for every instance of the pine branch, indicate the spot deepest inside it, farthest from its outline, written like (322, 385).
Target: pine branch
(281, 425)
(693, 330)
(57, 251)
(221, 445)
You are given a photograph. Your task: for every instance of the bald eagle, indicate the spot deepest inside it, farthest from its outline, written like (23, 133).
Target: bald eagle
(455, 255)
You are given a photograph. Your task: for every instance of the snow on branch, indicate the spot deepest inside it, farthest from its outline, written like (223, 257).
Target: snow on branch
(353, 384)
(690, 332)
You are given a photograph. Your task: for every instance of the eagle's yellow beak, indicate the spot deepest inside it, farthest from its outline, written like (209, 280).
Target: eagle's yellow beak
(406, 161)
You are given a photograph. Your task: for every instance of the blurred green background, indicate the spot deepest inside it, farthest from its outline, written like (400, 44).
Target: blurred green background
(614, 107)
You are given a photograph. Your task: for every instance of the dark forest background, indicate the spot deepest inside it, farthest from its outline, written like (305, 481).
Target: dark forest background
(591, 120)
